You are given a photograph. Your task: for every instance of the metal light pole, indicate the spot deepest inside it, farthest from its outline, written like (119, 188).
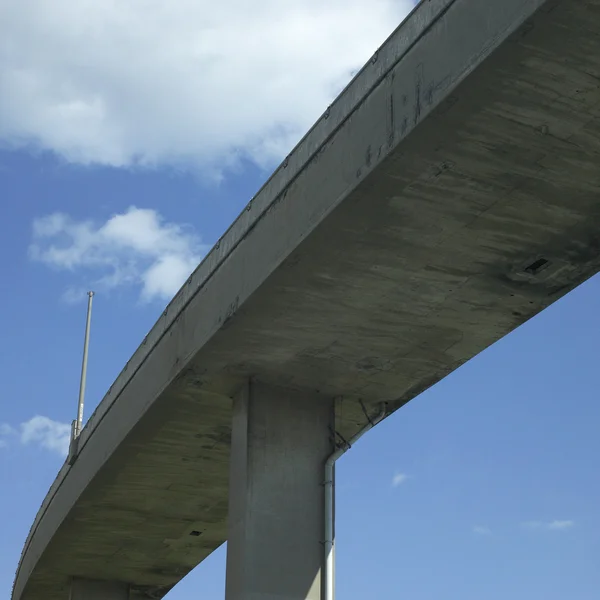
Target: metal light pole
(78, 423)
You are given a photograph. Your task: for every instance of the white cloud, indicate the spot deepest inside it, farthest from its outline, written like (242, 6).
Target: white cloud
(481, 530)
(49, 434)
(42, 431)
(399, 479)
(135, 247)
(186, 81)
(556, 525)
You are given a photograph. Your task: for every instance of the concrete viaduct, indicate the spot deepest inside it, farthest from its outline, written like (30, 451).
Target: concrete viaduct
(449, 194)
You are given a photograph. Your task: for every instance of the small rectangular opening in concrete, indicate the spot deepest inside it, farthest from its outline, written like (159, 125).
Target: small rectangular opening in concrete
(536, 266)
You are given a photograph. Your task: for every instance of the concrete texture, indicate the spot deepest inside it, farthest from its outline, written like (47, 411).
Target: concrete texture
(449, 194)
(279, 444)
(82, 589)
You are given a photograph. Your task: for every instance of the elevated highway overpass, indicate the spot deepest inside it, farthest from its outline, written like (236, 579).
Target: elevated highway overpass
(449, 194)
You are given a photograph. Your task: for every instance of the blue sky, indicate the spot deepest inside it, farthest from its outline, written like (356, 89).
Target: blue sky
(123, 160)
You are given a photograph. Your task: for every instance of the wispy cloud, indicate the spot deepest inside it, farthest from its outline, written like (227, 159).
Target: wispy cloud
(136, 247)
(207, 83)
(46, 433)
(6, 432)
(39, 430)
(481, 530)
(556, 525)
(399, 479)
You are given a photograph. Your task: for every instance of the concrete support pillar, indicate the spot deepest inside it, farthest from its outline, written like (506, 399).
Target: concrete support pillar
(85, 589)
(280, 441)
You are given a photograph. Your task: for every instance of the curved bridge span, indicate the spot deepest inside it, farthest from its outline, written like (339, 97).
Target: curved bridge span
(449, 194)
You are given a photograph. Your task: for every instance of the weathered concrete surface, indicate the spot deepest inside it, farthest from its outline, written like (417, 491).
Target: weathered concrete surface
(280, 442)
(83, 589)
(389, 248)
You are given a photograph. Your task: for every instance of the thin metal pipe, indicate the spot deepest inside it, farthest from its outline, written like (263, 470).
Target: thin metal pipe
(328, 563)
(79, 422)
